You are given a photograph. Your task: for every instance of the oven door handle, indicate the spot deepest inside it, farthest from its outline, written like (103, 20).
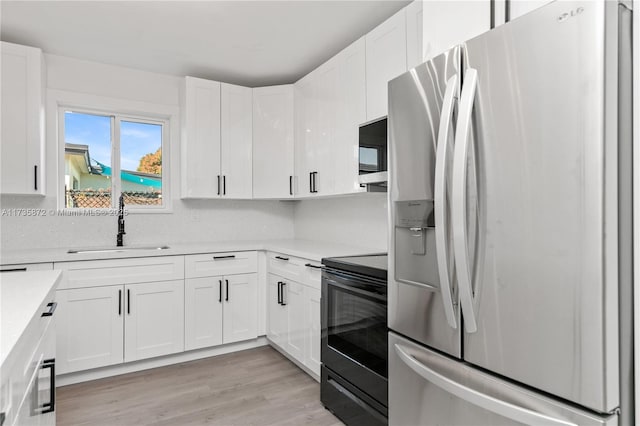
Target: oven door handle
(356, 290)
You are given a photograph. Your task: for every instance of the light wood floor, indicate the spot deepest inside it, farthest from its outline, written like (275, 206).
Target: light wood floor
(254, 387)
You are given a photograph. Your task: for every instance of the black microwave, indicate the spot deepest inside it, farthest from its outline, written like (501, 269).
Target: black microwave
(372, 153)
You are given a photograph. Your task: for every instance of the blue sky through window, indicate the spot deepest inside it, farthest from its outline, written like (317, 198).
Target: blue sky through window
(136, 139)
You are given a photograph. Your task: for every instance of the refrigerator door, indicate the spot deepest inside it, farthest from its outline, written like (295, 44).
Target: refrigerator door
(427, 388)
(421, 289)
(538, 286)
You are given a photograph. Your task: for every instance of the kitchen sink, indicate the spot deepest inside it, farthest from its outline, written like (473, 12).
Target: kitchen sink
(115, 249)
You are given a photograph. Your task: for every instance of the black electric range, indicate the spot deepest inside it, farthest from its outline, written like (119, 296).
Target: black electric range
(354, 338)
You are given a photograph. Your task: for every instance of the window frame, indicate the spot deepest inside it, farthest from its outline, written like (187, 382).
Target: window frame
(118, 110)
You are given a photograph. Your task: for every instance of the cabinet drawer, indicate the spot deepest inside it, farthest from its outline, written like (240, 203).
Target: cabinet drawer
(24, 267)
(312, 274)
(95, 273)
(213, 264)
(285, 266)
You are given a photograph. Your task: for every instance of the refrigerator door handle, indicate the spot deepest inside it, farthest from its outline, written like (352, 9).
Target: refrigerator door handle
(440, 189)
(487, 402)
(458, 199)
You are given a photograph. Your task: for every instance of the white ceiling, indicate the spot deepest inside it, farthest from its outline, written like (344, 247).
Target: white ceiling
(252, 43)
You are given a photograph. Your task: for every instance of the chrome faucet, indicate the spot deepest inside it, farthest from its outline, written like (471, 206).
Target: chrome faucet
(120, 221)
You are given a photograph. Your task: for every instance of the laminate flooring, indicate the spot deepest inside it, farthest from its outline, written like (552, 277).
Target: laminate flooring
(253, 387)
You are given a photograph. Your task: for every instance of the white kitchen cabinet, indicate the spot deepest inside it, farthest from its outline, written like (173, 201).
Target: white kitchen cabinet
(154, 323)
(273, 135)
(276, 311)
(414, 34)
(293, 298)
(449, 23)
(236, 141)
(351, 110)
(240, 319)
(386, 55)
(200, 141)
(221, 298)
(203, 312)
(313, 331)
(22, 120)
(518, 8)
(90, 328)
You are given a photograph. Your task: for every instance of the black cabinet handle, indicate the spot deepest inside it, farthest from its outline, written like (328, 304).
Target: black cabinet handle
(308, 265)
(311, 182)
(279, 292)
(231, 256)
(283, 301)
(128, 302)
(119, 302)
(35, 177)
(282, 258)
(49, 407)
(315, 183)
(224, 185)
(52, 308)
(290, 185)
(218, 184)
(227, 295)
(14, 270)
(220, 291)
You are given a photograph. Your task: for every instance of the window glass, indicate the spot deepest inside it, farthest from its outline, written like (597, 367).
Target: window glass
(87, 160)
(141, 163)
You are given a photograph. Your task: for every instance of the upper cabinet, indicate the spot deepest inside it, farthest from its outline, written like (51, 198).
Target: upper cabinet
(521, 7)
(273, 175)
(236, 141)
(448, 23)
(330, 105)
(414, 34)
(386, 59)
(22, 120)
(216, 140)
(201, 139)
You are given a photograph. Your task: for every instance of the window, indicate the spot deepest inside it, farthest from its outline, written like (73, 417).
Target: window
(108, 155)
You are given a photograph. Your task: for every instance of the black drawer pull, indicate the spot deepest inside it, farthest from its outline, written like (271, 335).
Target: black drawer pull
(290, 185)
(128, 302)
(284, 303)
(220, 291)
(279, 292)
(218, 184)
(35, 177)
(227, 295)
(14, 270)
(282, 258)
(52, 308)
(308, 265)
(119, 302)
(231, 256)
(50, 407)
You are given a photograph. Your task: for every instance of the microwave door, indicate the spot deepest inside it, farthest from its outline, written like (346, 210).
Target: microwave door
(416, 302)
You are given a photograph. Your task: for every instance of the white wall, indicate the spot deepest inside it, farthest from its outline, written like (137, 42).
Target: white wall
(190, 221)
(357, 220)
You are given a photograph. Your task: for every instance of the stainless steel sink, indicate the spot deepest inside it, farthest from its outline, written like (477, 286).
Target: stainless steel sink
(115, 249)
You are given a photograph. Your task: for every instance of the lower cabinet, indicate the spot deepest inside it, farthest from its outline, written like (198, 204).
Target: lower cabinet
(101, 326)
(294, 320)
(220, 309)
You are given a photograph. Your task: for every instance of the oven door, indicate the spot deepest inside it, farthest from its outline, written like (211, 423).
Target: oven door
(354, 330)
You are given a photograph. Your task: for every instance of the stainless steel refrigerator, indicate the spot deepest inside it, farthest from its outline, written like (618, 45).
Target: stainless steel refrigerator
(510, 273)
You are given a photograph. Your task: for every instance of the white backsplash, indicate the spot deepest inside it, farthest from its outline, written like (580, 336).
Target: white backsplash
(359, 220)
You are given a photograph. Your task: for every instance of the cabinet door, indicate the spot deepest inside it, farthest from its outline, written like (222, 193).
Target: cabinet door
(326, 89)
(386, 59)
(446, 24)
(154, 323)
(306, 123)
(240, 321)
(22, 130)
(203, 298)
(521, 7)
(89, 328)
(236, 141)
(352, 112)
(201, 139)
(293, 295)
(313, 335)
(414, 34)
(276, 312)
(273, 142)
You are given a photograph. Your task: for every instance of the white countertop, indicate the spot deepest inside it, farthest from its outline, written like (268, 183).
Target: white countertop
(313, 250)
(21, 295)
